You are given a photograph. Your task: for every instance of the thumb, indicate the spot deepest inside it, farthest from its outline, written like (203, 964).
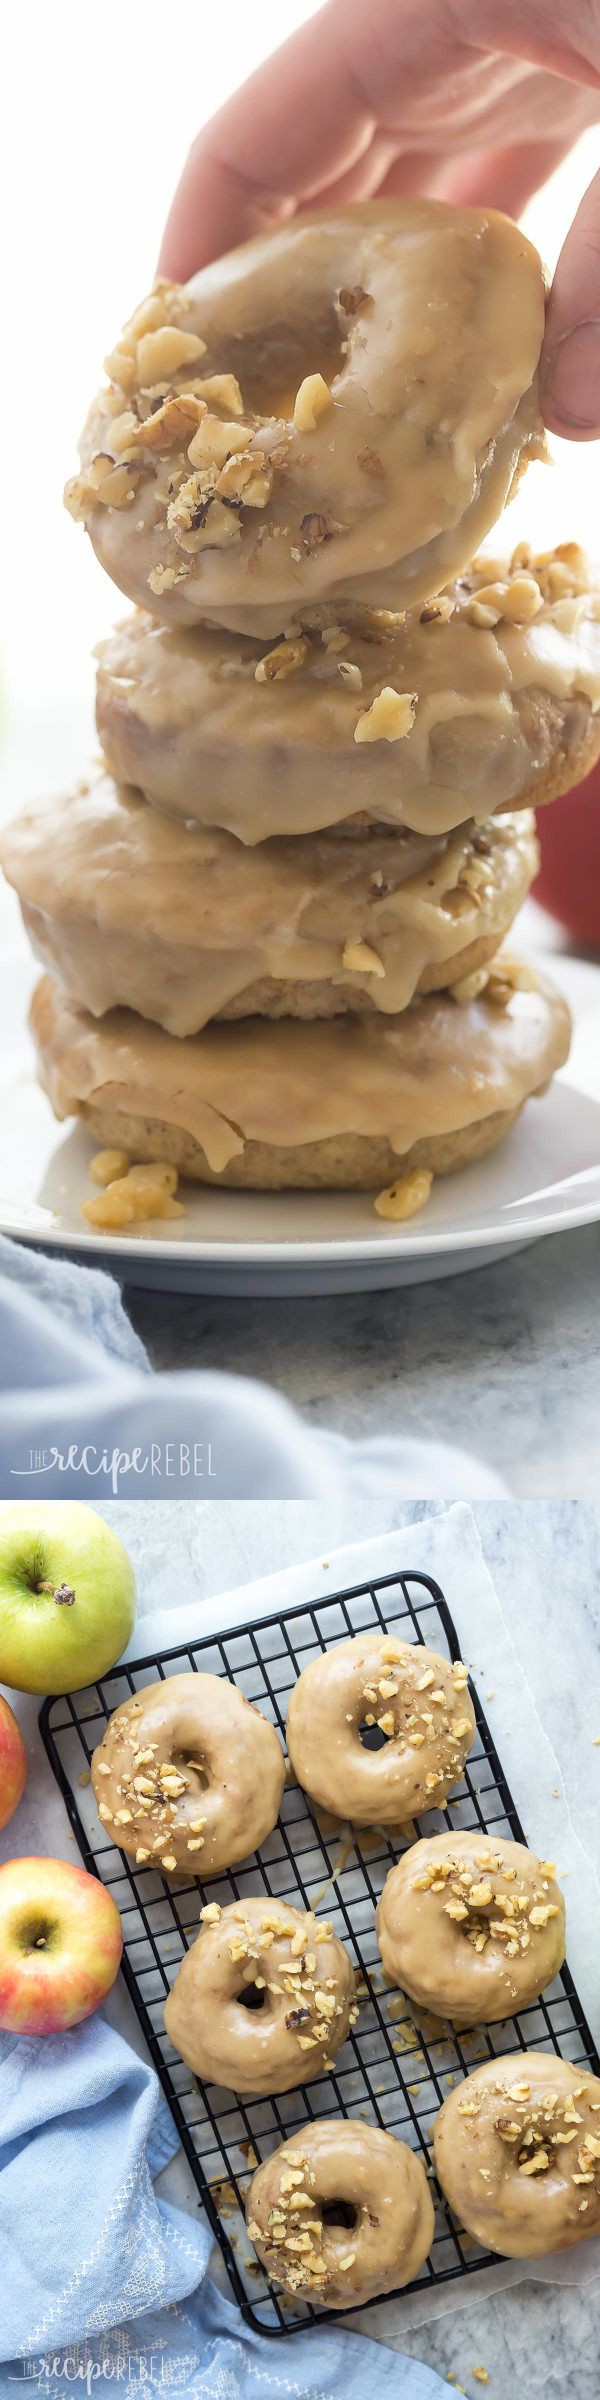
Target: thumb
(570, 363)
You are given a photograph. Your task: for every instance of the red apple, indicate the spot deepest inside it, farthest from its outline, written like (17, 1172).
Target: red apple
(13, 1763)
(60, 1945)
(569, 880)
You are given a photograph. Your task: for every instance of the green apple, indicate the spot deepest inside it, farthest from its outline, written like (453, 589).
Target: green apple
(67, 1595)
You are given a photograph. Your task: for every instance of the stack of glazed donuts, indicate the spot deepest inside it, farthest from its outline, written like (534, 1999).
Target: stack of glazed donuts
(189, 1779)
(271, 922)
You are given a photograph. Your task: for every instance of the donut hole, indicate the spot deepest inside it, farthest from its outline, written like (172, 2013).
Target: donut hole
(372, 1737)
(250, 1997)
(339, 2214)
(271, 366)
(191, 1765)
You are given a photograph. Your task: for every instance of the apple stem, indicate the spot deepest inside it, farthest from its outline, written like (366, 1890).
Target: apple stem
(62, 1593)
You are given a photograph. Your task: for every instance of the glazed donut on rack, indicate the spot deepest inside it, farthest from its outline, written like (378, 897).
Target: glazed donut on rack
(417, 1700)
(517, 2153)
(341, 2213)
(471, 1926)
(485, 699)
(188, 1776)
(263, 1999)
(130, 908)
(338, 409)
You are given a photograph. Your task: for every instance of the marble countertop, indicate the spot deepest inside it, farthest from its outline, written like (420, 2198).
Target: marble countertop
(544, 1559)
(503, 1361)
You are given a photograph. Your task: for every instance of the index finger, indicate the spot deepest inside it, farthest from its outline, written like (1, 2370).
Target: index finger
(305, 120)
(272, 145)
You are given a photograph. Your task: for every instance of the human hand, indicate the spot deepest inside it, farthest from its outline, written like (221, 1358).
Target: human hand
(371, 97)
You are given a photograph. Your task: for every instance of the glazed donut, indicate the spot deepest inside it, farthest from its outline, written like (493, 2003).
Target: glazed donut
(129, 908)
(383, 398)
(341, 2213)
(517, 2153)
(469, 707)
(339, 1105)
(419, 1701)
(189, 1776)
(471, 1927)
(302, 1990)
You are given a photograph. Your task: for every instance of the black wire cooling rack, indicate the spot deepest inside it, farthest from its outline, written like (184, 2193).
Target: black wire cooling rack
(393, 2071)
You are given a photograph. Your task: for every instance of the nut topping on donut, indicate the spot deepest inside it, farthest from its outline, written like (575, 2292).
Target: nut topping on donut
(406, 445)
(263, 1999)
(192, 1768)
(471, 1928)
(414, 1706)
(522, 2169)
(342, 2212)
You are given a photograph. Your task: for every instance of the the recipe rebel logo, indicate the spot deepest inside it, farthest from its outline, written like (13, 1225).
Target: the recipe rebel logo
(179, 1463)
(145, 2371)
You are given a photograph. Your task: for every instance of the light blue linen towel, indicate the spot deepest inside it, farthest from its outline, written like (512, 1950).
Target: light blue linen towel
(83, 1416)
(101, 2282)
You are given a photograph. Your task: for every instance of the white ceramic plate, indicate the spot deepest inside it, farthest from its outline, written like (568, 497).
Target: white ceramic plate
(544, 1179)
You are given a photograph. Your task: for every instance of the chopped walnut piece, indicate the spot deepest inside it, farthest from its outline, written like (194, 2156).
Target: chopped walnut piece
(470, 987)
(105, 1167)
(216, 439)
(370, 462)
(312, 398)
(405, 1197)
(177, 417)
(281, 661)
(390, 716)
(315, 529)
(222, 390)
(442, 608)
(164, 351)
(161, 579)
(246, 479)
(359, 959)
(352, 301)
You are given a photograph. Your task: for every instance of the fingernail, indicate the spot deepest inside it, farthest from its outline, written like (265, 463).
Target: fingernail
(572, 379)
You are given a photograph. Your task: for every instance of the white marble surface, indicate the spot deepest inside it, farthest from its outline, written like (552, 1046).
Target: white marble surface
(545, 1563)
(504, 1361)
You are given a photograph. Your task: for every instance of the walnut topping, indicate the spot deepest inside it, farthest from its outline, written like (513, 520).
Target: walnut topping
(173, 421)
(143, 1192)
(215, 440)
(162, 579)
(441, 608)
(222, 390)
(281, 661)
(162, 353)
(390, 716)
(245, 480)
(312, 399)
(350, 675)
(405, 1197)
(101, 482)
(359, 959)
(315, 529)
(354, 300)
(470, 987)
(370, 462)
(105, 1168)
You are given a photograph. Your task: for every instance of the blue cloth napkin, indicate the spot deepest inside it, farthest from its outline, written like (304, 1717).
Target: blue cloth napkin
(82, 1415)
(100, 2281)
